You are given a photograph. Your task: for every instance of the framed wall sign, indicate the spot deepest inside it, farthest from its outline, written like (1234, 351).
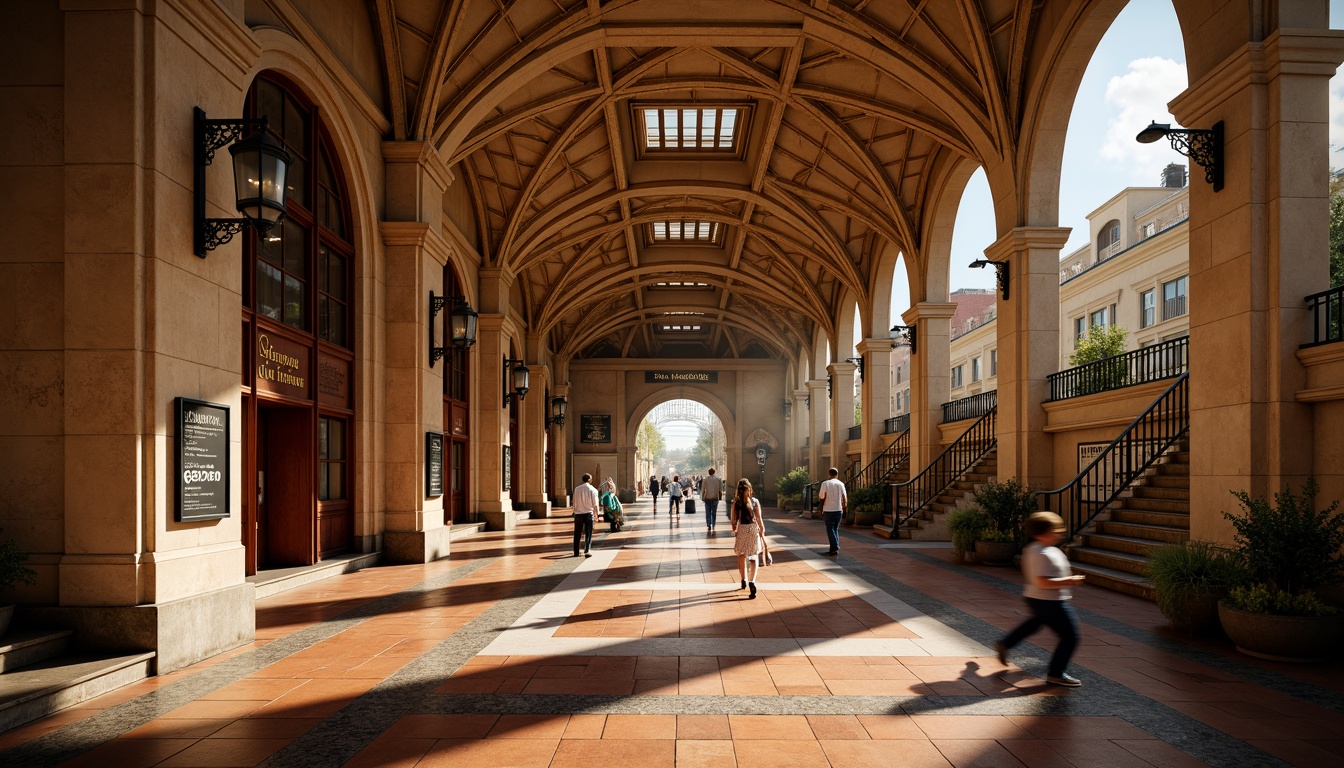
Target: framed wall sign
(595, 429)
(433, 464)
(202, 460)
(508, 467)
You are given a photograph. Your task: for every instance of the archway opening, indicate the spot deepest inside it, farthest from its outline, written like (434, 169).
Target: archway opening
(680, 438)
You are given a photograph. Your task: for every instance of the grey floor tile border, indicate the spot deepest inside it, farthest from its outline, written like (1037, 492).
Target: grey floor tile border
(1248, 672)
(70, 741)
(1176, 728)
(340, 737)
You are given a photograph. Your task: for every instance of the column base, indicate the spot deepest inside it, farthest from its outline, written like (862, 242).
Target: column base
(501, 520)
(540, 509)
(181, 632)
(405, 547)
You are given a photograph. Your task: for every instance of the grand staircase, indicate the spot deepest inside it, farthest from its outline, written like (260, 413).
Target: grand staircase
(930, 523)
(1113, 551)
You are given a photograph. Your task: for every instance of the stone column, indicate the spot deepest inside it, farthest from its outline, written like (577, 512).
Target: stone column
(492, 345)
(1256, 249)
(1028, 329)
(876, 394)
(799, 421)
(532, 430)
(930, 384)
(415, 253)
(818, 412)
(560, 436)
(842, 409)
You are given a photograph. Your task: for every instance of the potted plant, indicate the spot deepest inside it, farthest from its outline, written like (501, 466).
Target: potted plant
(1006, 504)
(790, 487)
(865, 505)
(12, 572)
(1190, 578)
(1289, 549)
(966, 523)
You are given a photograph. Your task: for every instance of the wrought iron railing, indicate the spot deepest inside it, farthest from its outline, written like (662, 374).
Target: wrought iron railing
(810, 500)
(1166, 421)
(896, 424)
(1327, 308)
(883, 465)
(826, 437)
(1148, 364)
(910, 497)
(972, 407)
(856, 432)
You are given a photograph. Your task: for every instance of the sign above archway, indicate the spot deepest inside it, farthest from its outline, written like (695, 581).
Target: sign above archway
(681, 377)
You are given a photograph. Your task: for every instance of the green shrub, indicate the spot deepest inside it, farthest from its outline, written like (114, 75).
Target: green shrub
(1007, 505)
(1181, 572)
(1289, 546)
(12, 568)
(1261, 599)
(966, 523)
(791, 483)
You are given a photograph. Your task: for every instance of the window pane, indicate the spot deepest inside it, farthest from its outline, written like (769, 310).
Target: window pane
(268, 290)
(323, 439)
(296, 181)
(296, 251)
(336, 439)
(294, 303)
(323, 492)
(336, 480)
(459, 466)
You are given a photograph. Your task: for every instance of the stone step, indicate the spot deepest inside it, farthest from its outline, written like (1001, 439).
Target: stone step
(1156, 533)
(1167, 481)
(1144, 517)
(23, 647)
(1120, 561)
(49, 686)
(1155, 505)
(1174, 470)
(462, 530)
(277, 580)
(1177, 457)
(883, 531)
(1119, 581)
(1161, 492)
(1130, 545)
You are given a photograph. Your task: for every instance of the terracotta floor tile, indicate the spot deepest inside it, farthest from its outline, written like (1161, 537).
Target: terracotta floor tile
(390, 752)
(266, 728)
(494, 753)
(980, 753)
(779, 753)
(1035, 753)
(644, 753)
(705, 754)
(769, 727)
(889, 727)
(176, 728)
(703, 727)
(442, 726)
(640, 727)
(1096, 753)
(215, 710)
(224, 753)
(130, 753)
(968, 727)
(883, 754)
(254, 689)
(1160, 753)
(529, 727)
(1042, 727)
(836, 727)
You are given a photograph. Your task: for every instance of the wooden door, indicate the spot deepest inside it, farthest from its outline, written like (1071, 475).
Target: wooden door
(289, 520)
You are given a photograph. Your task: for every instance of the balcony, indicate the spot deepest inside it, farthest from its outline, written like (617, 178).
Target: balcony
(1325, 308)
(1154, 363)
(896, 424)
(970, 407)
(856, 432)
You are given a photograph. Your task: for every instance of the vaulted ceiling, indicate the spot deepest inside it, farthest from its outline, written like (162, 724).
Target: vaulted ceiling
(859, 113)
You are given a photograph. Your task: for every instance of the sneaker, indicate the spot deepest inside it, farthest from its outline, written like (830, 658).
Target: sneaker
(829, 553)
(753, 595)
(587, 554)
(1066, 680)
(1001, 651)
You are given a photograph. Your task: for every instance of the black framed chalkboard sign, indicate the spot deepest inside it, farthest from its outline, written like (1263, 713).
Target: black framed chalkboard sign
(202, 460)
(433, 464)
(595, 429)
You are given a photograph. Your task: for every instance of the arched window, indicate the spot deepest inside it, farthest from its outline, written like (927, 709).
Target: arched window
(1108, 240)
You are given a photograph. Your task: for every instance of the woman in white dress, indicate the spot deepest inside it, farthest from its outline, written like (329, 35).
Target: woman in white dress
(748, 534)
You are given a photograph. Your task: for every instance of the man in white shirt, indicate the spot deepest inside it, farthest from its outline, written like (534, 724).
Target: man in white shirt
(585, 506)
(711, 490)
(834, 500)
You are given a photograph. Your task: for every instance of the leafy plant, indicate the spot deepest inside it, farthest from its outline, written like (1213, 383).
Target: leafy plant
(1183, 574)
(966, 523)
(12, 568)
(1259, 598)
(1289, 546)
(1007, 505)
(792, 482)
(1099, 350)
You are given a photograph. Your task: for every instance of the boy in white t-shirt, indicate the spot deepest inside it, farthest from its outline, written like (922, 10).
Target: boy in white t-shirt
(1047, 580)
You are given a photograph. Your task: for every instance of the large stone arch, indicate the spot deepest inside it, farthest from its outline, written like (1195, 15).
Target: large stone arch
(724, 412)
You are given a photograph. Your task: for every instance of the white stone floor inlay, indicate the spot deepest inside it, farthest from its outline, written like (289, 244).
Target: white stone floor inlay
(534, 632)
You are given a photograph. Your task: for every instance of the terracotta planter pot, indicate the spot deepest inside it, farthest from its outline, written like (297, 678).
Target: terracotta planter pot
(1306, 639)
(996, 552)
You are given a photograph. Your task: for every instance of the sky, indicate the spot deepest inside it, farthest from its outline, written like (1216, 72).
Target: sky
(1138, 67)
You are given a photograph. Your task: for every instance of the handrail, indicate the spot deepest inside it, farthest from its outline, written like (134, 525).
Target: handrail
(1135, 449)
(896, 424)
(1326, 308)
(972, 407)
(856, 432)
(956, 460)
(1141, 366)
(883, 464)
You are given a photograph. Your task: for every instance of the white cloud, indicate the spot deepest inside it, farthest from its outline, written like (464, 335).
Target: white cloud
(1135, 99)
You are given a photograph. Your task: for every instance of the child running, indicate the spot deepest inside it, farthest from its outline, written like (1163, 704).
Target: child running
(1046, 589)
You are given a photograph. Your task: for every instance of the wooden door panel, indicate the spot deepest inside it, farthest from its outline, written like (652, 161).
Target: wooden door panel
(291, 513)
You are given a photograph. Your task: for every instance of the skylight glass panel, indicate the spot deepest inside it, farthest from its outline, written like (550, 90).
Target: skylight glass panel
(685, 232)
(689, 128)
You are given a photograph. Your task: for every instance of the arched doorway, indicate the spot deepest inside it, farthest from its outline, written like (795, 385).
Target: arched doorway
(456, 393)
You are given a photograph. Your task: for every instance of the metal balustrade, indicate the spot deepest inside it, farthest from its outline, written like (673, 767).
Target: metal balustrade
(972, 407)
(1120, 463)
(856, 432)
(1152, 363)
(1327, 308)
(910, 497)
(896, 424)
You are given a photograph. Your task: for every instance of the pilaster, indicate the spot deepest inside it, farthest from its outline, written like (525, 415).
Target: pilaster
(930, 386)
(842, 409)
(818, 412)
(876, 394)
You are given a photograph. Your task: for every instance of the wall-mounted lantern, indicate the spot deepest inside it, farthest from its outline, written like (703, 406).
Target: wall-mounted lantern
(559, 407)
(1001, 268)
(858, 362)
(515, 379)
(259, 164)
(461, 324)
(1204, 146)
(904, 333)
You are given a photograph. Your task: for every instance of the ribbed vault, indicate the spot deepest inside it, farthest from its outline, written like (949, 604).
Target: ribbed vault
(859, 112)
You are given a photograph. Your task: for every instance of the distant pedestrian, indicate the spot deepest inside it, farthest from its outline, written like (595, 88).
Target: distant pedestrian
(834, 502)
(1047, 581)
(667, 489)
(585, 506)
(674, 493)
(654, 488)
(610, 503)
(711, 490)
(748, 535)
